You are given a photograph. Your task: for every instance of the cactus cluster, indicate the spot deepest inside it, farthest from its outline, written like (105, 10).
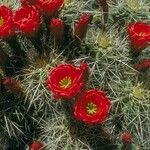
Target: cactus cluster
(58, 61)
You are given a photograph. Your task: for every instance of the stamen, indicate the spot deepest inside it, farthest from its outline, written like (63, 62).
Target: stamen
(65, 82)
(91, 108)
(1, 21)
(142, 34)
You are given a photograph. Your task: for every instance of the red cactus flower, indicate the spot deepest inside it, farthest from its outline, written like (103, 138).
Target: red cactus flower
(139, 35)
(27, 19)
(66, 80)
(143, 65)
(81, 26)
(92, 107)
(36, 145)
(57, 28)
(126, 137)
(6, 23)
(49, 7)
(28, 2)
(12, 85)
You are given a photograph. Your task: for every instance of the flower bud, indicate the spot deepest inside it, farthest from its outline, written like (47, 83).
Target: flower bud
(57, 28)
(12, 85)
(81, 26)
(126, 137)
(36, 145)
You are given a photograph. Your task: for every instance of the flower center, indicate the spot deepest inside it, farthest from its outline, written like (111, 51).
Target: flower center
(1, 21)
(91, 108)
(65, 82)
(142, 34)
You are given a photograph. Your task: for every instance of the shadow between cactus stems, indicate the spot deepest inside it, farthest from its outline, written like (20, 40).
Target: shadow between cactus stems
(15, 110)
